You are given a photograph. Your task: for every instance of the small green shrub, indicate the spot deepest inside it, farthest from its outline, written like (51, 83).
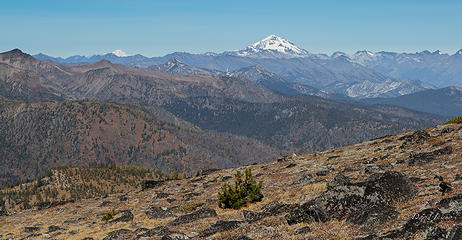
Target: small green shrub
(109, 215)
(244, 191)
(457, 120)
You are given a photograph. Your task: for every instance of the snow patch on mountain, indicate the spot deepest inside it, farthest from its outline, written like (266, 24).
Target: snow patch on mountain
(120, 53)
(338, 54)
(387, 88)
(362, 57)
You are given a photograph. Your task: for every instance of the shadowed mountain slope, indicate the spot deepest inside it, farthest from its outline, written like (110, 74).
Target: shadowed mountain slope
(37, 136)
(445, 101)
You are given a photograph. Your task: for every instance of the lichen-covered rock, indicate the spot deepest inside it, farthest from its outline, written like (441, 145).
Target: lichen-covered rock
(221, 226)
(157, 231)
(304, 178)
(270, 209)
(53, 228)
(418, 159)
(307, 212)
(370, 213)
(201, 213)
(451, 208)
(390, 187)
(341, 180)
(275, 208)
(127, 216)
(251, 216)
(322, 173)
(435, 233)
(423, 220)
(31, 229)
(121, 234)
(175, 236)
(368, 202)
(155, 212)
(417, 137)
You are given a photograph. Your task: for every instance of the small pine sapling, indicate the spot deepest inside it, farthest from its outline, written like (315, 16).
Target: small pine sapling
(244, 191)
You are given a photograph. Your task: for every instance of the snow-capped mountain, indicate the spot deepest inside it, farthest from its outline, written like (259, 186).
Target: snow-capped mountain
(271, 47)
(120, 53)
(360, 75)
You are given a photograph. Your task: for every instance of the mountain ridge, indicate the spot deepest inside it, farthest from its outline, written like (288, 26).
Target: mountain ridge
(209, 101)
(41, 135)
(344, 75)
(444, 101)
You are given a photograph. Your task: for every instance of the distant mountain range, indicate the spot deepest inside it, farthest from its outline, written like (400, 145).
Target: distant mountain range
(441, 70)
(204, 115)
(445, 101)
(175, 66)
(361, 75)
(256, 74)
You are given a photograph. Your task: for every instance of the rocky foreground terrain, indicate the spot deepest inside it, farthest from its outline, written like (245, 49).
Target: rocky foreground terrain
(406, 186)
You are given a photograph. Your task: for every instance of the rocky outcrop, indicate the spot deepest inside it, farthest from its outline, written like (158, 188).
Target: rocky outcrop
(417, 137)
(121, 234)
(202, 213)
(448, 209)
(270, 209)
(157, 231)
(221, 226)
(127, 216)
(155, 212)
(418, 159)
(31, 229)
(365, 203)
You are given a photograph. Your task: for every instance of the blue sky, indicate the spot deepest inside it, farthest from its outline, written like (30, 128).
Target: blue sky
(155, 28)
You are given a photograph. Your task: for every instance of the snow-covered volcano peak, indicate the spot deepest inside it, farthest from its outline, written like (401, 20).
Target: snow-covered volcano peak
(272, 47)
(120, 53)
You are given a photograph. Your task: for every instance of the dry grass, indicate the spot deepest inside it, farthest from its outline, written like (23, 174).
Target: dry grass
(277, 186)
